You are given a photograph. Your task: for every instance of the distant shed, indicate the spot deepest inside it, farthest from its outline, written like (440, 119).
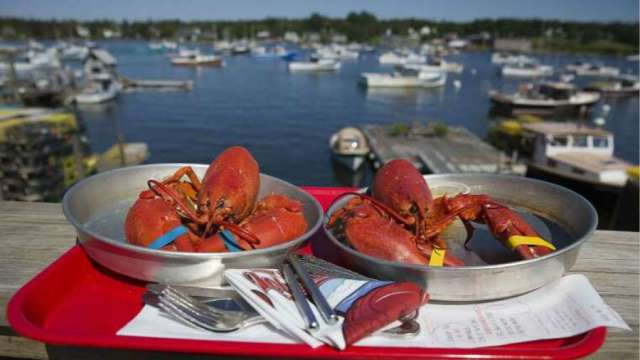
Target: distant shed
(512, 44)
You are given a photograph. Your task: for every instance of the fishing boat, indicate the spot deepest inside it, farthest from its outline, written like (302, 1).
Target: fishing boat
(318, 65)
(392, 58)
(616, 87)
(262, 52)
(504, 58)
(526, 70)
(349, 147)
(574, 155)
(336, 52)
(195, 58)
(580, 158)
(404, 77)
(546, 98)
(592, 70)
(438, 64)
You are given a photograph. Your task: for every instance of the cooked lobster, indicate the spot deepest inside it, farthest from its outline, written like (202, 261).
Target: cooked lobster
(401, 221)
(219, 213)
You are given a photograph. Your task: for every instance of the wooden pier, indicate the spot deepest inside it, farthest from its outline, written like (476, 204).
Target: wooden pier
(437, 149)
(138, 84)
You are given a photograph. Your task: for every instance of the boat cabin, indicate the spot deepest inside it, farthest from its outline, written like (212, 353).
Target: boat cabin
(577, 151)
(556, 90)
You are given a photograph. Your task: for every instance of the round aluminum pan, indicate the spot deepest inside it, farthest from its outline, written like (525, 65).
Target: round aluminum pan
(97, 207)
(561, 215)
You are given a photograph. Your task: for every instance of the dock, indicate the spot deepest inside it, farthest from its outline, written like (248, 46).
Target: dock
(138, 84)
(438, 149)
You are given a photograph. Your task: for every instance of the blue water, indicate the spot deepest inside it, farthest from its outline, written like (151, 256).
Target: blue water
(286, 119)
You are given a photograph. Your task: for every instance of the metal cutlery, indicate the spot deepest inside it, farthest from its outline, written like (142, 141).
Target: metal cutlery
(216, 314)
(224, 310)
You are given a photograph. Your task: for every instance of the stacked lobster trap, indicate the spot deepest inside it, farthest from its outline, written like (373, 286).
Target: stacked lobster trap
(42, 153)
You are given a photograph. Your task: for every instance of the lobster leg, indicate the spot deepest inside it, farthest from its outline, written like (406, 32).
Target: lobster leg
(505, 223)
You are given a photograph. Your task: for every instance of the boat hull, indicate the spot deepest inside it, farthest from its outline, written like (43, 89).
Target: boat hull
(505, 106)
(351, 162)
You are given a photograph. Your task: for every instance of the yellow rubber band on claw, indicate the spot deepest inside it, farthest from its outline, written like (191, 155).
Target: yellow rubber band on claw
(517, 240)
(437, 257)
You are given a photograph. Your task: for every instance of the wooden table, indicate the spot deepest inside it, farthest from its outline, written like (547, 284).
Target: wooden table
(35, 234)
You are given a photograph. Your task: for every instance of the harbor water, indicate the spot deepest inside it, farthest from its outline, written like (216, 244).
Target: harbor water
(286, 119)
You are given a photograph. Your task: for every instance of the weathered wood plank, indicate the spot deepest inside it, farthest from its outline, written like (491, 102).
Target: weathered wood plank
(35, 234)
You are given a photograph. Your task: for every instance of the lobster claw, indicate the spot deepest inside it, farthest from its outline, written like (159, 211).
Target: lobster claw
(509, 227)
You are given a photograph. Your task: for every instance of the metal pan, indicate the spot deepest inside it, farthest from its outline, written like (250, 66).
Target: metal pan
(98, 205)
(558, 214)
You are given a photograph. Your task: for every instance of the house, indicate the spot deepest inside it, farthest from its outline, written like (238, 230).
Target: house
(82, 31)
(291, 36)
(263, 34)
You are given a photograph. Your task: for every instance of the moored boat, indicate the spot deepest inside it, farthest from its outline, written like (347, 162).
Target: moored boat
(547, 98)
(438, 64)
(404, 77)
(526, 70)
(100, 88)
(592, 70)
(318, 65)
(196, 59)
(620, 86)
(349, 147)
(504, 58)
(392, 58)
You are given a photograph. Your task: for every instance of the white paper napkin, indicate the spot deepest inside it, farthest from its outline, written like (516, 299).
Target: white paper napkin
(566, 307)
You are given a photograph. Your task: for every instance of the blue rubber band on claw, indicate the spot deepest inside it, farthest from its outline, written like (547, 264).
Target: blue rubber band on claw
(230, 241)
(168, 237)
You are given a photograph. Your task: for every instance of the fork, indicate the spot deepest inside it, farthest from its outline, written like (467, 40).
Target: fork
(197, 313)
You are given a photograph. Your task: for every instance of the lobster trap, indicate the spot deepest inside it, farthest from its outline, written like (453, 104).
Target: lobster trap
(42, 153)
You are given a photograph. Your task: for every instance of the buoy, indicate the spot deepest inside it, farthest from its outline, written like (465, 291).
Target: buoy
(473, 71)
(606, 108)
(457, 84)
(599, 121)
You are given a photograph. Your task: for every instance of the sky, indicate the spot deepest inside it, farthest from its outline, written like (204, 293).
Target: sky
(454, 10)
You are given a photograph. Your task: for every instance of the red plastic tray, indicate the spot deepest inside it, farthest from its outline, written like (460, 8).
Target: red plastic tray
(76, 302)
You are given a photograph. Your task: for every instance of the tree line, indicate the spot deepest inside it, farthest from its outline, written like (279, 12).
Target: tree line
(357, 26)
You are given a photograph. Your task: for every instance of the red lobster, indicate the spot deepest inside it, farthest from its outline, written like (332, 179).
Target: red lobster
(401, 221)
(195, 213)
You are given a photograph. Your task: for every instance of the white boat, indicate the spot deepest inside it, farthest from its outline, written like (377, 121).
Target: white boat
(271, 53)
(404, 78)
(436, 64)
(335, 53)
(222, 46)
(504, 58)
(618, 86)
(314, 65)
(195, 58)
(392, 58)
(576, 151)
(547, 98)
(526, 70)
(163, 45)
(588, 69)
(349, 147)
(31, 61)
(99, 89)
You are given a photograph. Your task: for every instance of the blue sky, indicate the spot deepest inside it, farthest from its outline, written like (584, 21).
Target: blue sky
(456, 10)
